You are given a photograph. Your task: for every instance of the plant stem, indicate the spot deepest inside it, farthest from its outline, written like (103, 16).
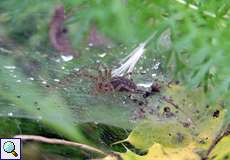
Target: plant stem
(59, 141)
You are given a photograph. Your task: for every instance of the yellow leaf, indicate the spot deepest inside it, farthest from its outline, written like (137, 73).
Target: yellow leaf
(221, 150)
(158, 152)
(111, 156)
(170, 134)
(169, 138)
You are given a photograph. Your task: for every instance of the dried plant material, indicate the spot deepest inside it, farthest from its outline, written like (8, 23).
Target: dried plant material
(58, 33)
(96, 39)
(59, 141)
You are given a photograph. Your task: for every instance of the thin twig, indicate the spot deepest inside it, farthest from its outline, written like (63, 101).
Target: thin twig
(59, 141)
(218, 138)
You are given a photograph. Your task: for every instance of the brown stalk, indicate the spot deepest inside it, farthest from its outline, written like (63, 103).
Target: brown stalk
(59, 141)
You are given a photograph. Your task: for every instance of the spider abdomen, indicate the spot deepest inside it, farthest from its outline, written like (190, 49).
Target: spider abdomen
(123, 84)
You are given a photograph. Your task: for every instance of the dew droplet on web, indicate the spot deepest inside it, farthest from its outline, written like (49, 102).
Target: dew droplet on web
(9, 67)
(90, 44)
(102, 55)
(156, 66)
(56, 80)
(44, 82)
(77, 69)
(18, 81)
(5, 50)
(143, 72)
(10, 114)
(67, 58)
(39, 118)
(31, 78)
(58, 60)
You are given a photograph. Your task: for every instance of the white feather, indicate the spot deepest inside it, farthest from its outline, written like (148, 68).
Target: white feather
(129, 62)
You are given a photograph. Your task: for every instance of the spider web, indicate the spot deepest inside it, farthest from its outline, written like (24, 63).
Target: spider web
(37, 77)
(42, 76)
(42, 98)
(30, 88)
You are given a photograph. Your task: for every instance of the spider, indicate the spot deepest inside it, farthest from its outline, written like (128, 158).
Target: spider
(104, 82)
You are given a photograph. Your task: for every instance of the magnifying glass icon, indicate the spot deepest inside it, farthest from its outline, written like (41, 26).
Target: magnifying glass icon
(9, 147)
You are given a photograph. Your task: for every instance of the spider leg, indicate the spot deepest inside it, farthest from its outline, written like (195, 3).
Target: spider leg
(106, 74)
(109, 74)
(86, 74)
(100, 77)
(112, 88)
(94, 91)
(105, 70)
(103, 66)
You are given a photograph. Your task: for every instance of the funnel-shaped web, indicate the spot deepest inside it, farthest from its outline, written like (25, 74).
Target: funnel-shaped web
(32, 89)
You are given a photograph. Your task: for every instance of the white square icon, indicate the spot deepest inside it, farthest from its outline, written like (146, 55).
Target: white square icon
(10, 148)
